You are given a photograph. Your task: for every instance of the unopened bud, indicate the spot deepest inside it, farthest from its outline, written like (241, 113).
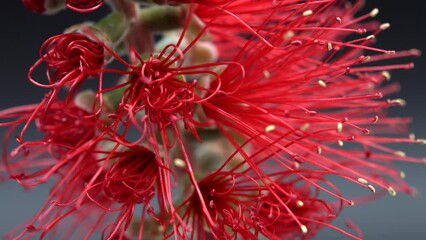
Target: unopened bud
(47, 7)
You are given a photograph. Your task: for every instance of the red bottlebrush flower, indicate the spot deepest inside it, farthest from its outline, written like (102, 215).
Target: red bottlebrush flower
(158, 88)
(65, 128)
(84, 5)
(132, 179)
(132, 175)
(306, 91)
(99, 191)
(72, 57)
(302, 202)
(229, 198)
(43, 6)
(292, 84)
(280, 205)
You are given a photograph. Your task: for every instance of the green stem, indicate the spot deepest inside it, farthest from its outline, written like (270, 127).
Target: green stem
(161, 18)
(114, 25)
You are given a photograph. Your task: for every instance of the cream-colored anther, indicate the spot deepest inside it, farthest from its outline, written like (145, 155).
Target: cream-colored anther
(399, 101)
(402, 175)
(391, 191)
(305, 127)
(412, 136)
(366, 59)
(339, 127)
(385, 26)
(340, 142)
(372, 189)
(299, 203)
(179, 163)
(400, 153)
(266, 74)
(296, 165)
(304, 229)
(338, 19)
(307, 13)
(319, 150)
(322, 83)
(421, 141)
(288, 35)
(376, 119)
(370, 37)
(329, 46)
(386, 75)
(363, 181)
(270, 128)
(374, 12)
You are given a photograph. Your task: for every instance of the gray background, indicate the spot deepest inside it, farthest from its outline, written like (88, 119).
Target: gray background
(400, 217)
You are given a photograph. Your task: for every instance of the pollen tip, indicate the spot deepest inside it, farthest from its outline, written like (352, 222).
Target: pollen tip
(288, 35)
(374, 12)
(372, 188)
(305, 127)
(386, 75)
(400, 154)
(362, 180)
(322, 83)
(366, 59)
(399, 101)
(339, 128)
(270, 128)
(307, 13)
(266, 74)
(375, 119)
(385, 26)
(304, 229)
(179, 163)
(319, 150)
(299, 203)
(402, 175)
(392, 191)
(370, 37)
(329, 46)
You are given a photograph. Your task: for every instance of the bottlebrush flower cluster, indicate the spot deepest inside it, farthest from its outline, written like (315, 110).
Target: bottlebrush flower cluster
(219, 120)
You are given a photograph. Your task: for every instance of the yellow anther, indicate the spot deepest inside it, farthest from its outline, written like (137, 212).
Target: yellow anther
(371, 187)
(304, 229)
(385, 26)
(270, 128)
(374, 12)
(362, 180)
(391, 191)
(179, 163)
(322, 83)
(339, 128)
(307, 13)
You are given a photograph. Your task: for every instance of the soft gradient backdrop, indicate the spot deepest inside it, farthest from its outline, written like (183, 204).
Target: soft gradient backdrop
(392, 218)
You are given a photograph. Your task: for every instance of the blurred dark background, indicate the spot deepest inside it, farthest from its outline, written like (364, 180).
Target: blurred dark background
(400, 217)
